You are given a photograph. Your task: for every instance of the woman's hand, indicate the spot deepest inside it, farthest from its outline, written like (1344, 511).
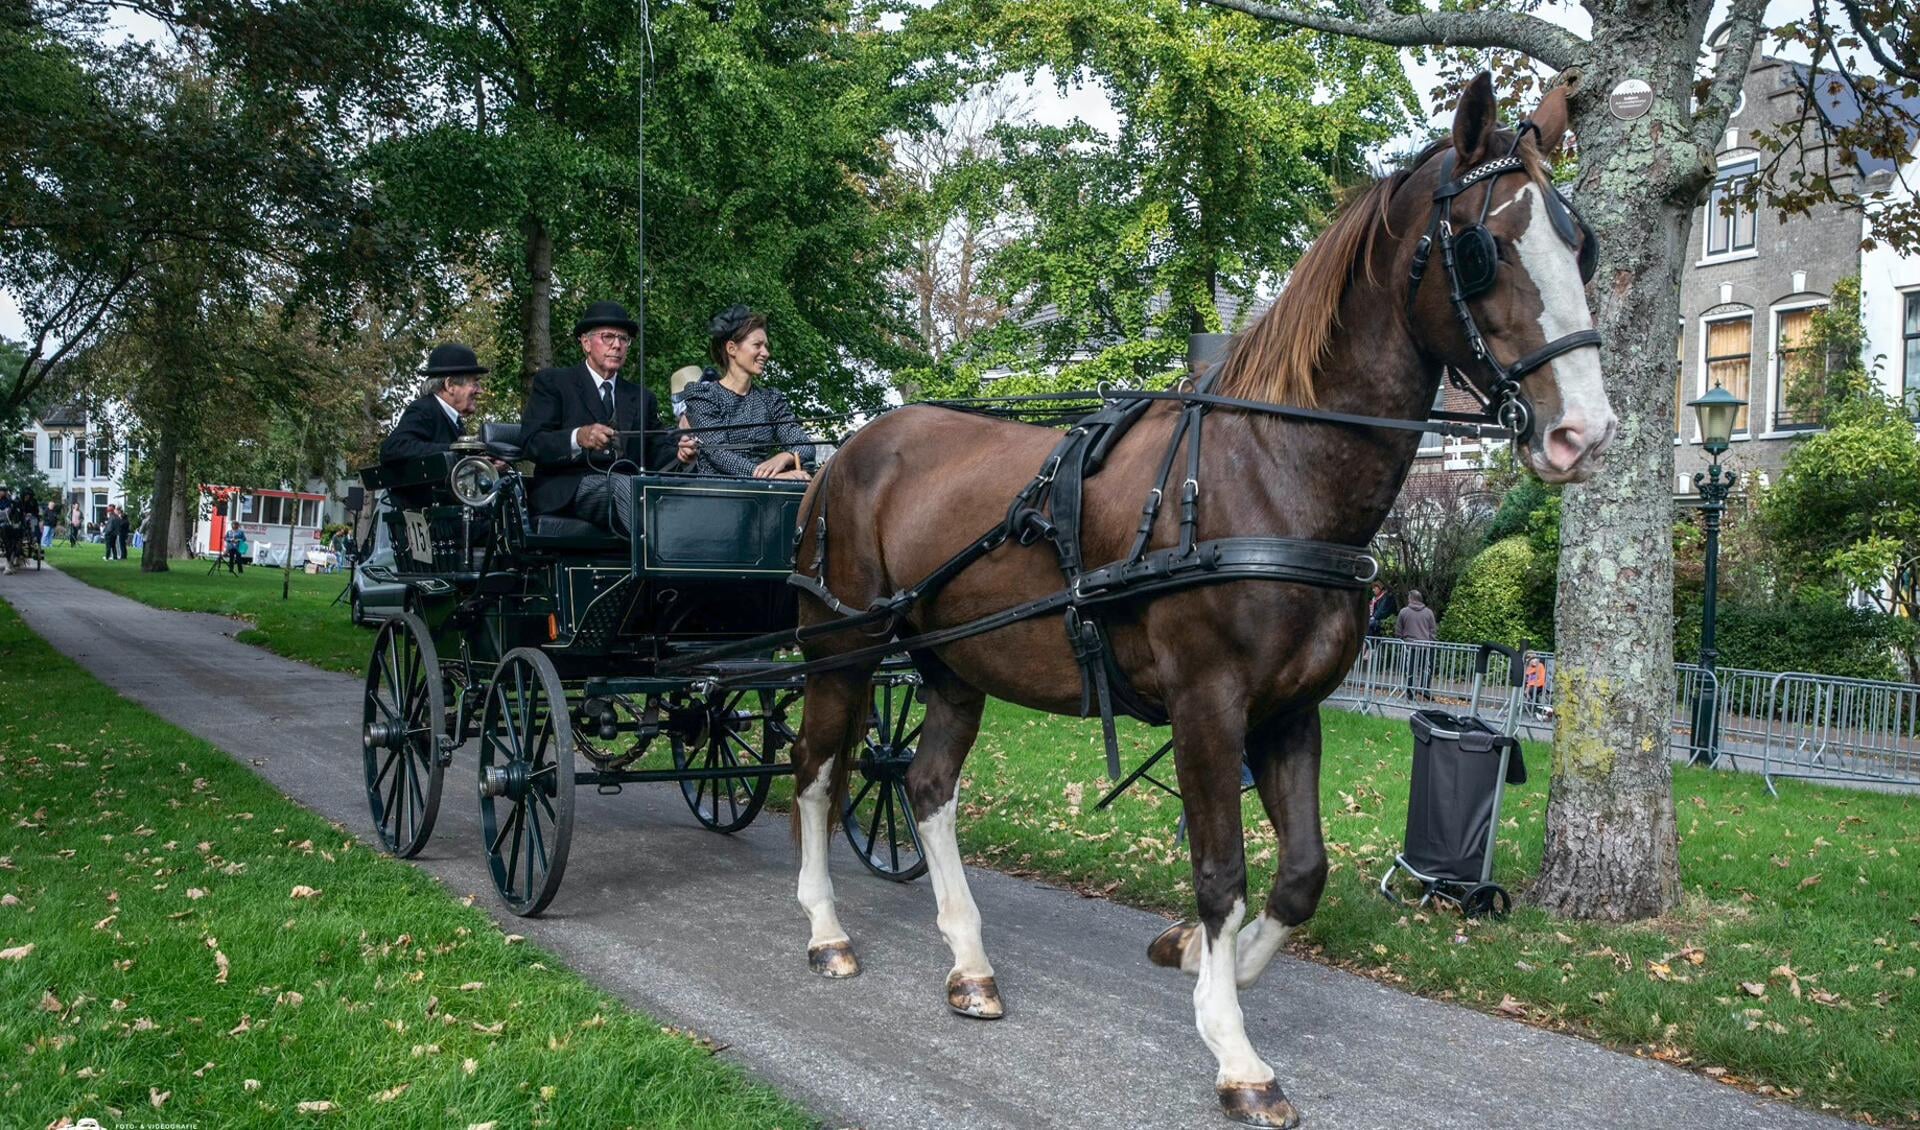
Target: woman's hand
(786, 461)
(797, 473)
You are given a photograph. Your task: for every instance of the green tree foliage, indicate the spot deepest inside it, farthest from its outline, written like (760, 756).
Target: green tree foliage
(1233, 141)
(1845, 512)
(1494, 601)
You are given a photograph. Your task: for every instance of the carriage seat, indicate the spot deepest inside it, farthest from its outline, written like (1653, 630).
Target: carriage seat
(502, 440)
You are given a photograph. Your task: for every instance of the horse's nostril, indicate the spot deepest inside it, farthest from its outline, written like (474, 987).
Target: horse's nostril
(1566, 444)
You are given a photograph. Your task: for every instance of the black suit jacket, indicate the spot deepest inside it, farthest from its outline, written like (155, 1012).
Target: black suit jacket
(562, 400)
(424, 429)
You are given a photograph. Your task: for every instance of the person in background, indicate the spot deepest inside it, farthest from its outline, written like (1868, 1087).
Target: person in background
(756, 432)
(49, 518)
(1380, 609)
(1535, 681)
(1416, 624)
(236, 549)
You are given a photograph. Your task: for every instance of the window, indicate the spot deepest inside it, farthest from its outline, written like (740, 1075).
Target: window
(1800, 376)
(247, 509)
(269, 510)
(1910, 338)
(1730, 361)
(310, 513)
(56, 452)
(26, 453)
(1730, 222)
(80, 457)
(102, 460)
(99, 507)
(1680, 396)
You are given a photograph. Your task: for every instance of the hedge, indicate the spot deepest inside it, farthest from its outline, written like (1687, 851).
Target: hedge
(1826, 637)
(1490, 603)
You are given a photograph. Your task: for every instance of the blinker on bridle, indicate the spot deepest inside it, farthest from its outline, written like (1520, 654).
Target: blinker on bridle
(1471, 257)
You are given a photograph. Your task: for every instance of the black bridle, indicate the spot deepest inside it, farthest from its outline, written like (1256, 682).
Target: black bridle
(1471, 257)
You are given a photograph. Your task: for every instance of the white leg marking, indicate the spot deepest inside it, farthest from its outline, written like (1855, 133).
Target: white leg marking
(816, 886)
(1216, 1006)
(959, 918)
(1257, 944)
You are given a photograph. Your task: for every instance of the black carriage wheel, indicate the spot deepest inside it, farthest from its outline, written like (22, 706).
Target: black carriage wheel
(402, 727)
(526, 780)
(1488, 900)
(742, 727)
(878, 818)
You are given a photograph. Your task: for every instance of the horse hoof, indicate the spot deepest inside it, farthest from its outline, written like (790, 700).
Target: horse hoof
(1257, 1104)
(833, 959)
(1168, 949)
(978, 997)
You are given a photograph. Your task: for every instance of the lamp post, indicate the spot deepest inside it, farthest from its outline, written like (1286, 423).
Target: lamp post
(1716, 412)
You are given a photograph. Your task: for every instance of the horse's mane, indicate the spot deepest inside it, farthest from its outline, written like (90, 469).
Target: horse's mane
(1275, 358)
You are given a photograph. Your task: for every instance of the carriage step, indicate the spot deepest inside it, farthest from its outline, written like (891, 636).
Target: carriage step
(607, 790)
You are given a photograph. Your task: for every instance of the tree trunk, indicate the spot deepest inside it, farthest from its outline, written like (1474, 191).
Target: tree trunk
(536, 319)
(166, 474)
(1610, 841)
(183, 507)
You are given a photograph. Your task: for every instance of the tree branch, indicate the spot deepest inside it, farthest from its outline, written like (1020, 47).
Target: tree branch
(1746, 22)
(1516, 31)
(1870, 38)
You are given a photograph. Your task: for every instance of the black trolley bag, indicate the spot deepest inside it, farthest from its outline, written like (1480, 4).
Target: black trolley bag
(1461, 764)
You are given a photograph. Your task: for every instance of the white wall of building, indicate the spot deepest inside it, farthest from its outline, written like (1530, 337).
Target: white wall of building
(1888, 282)
(94, 479)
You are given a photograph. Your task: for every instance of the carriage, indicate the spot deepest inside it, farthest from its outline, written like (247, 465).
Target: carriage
(543, 637)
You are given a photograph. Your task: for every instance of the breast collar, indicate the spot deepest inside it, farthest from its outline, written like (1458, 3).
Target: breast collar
(1471, 259)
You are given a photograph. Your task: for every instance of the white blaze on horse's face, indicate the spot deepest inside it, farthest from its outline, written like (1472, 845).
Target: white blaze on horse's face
(1564, 449)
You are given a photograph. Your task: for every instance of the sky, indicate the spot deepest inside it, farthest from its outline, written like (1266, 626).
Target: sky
(1050, 107)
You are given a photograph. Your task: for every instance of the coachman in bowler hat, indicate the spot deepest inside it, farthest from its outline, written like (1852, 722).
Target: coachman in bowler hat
(439, 414)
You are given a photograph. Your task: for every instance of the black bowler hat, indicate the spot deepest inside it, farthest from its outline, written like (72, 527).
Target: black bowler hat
(453, 360)
(606, 314)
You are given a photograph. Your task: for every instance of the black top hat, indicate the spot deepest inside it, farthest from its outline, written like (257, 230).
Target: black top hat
(606, 314)
(452, 360)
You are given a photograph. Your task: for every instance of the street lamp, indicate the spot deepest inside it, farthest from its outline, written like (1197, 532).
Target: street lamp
(1716, 411)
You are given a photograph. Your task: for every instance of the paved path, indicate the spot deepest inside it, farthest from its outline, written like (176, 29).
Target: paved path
(703, 930)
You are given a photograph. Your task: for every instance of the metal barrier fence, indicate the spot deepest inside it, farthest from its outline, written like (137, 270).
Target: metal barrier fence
(1794, 724)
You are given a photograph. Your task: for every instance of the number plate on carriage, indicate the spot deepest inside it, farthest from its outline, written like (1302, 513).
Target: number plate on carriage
(716, 527)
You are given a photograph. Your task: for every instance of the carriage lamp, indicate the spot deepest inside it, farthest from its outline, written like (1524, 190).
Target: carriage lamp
(1716, 411)
(475, 481)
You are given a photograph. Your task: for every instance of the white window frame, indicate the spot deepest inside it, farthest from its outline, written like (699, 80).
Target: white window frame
(1774, 391)
(1732, 166)
(56, 452)
(1909, 381)
(1701, 385)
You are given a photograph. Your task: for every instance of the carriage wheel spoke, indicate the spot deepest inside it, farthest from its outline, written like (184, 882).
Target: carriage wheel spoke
(873, 828)
(540, 842)
(500, 837)
(893, 831)
(513, 857)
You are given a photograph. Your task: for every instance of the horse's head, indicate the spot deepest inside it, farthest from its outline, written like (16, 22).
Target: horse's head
(1498, 287)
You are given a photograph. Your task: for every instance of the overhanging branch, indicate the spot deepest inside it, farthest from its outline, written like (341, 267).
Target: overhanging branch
(1746, 22)
(1515, 31)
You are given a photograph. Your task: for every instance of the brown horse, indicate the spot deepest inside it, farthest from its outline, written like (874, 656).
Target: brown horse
(1238, 666)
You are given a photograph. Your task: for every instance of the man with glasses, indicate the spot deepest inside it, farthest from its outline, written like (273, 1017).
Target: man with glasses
(583, 426)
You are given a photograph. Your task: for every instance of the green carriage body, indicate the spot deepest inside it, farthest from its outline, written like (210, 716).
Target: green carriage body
(567, 624)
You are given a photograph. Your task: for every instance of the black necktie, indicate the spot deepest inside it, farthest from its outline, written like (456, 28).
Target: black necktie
(606, 398)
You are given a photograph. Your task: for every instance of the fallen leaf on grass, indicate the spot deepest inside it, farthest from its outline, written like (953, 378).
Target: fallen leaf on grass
(9, 900)
(1660, 970)
(1510, 1007)
(51, 1003)
(204, 1068)
(17, 952)
(245, 1025)
(1793, 979)
(304, 892)
(547, 1093)
(473, 986)
(290, 998)
(493, 1029)
(481, 1125)
(106, 922)
(158, 1097)
(514, 939)
(1810, 880)
(1753, 988)
(469, 1065)
(391, 1093)
(194, 893)
(315, 1106)
(251, 1085)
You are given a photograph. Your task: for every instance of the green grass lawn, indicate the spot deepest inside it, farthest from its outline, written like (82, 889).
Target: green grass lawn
(180, 943)
(1791, 965)
(307, 626)
(1790, 968)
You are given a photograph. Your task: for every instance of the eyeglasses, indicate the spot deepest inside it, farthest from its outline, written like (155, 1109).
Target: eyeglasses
(609, 337)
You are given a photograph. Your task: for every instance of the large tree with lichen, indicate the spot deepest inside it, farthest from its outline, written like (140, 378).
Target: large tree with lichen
(1610, 850)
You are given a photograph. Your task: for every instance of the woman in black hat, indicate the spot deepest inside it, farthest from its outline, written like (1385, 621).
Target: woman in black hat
(754, 429)
(438, 415)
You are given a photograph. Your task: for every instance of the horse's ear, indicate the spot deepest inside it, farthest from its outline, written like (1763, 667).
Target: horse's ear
(1550, 117)
(1474, 123)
